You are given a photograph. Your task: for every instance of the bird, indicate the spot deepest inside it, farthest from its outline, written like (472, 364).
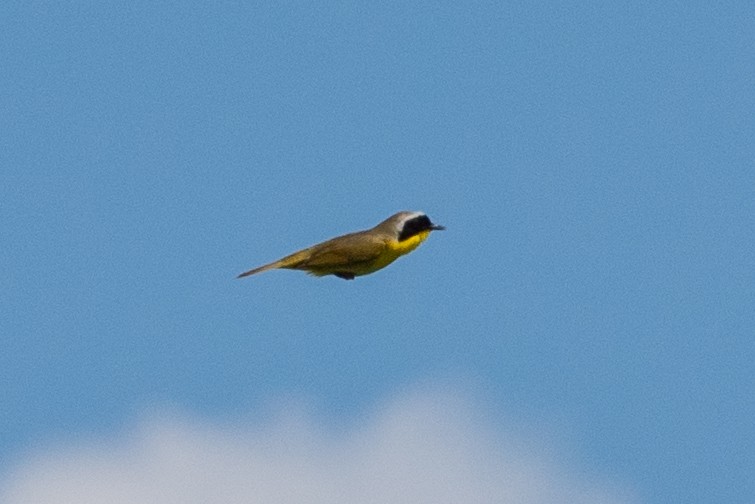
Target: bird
(361, 253)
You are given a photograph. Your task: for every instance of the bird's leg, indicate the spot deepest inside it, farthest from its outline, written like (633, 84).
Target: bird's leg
(345, 275)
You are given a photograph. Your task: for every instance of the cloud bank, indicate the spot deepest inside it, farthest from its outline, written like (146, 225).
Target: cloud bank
(420, 448)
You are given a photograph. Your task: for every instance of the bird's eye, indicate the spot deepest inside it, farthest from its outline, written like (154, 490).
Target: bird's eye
(415, 226)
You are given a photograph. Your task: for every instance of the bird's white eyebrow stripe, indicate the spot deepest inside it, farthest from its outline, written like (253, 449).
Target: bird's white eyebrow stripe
(411, 216)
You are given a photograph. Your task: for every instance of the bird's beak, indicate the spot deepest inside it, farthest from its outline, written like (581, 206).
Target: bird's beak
(436, 227)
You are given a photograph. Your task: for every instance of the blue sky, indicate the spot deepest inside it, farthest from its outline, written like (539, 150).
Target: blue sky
(593, 163)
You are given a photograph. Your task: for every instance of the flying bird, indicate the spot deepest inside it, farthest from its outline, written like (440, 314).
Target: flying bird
(359, 253)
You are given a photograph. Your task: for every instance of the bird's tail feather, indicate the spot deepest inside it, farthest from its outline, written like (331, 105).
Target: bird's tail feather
(293, 261)
(259, 270)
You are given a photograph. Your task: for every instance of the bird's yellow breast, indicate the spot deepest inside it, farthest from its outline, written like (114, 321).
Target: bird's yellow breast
(396, 249)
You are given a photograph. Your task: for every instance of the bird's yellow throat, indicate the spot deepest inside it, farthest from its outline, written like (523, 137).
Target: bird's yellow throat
(398, 248)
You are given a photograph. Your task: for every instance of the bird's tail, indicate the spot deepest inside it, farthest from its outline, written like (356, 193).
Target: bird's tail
(293, 261)
(266, 267)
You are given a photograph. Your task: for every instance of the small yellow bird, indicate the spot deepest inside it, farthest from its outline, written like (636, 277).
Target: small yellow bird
(359, 253)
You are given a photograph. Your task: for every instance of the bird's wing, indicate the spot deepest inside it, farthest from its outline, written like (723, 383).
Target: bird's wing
(346, 250)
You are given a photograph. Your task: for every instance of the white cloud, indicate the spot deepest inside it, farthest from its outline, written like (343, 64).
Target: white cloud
(421, 448)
